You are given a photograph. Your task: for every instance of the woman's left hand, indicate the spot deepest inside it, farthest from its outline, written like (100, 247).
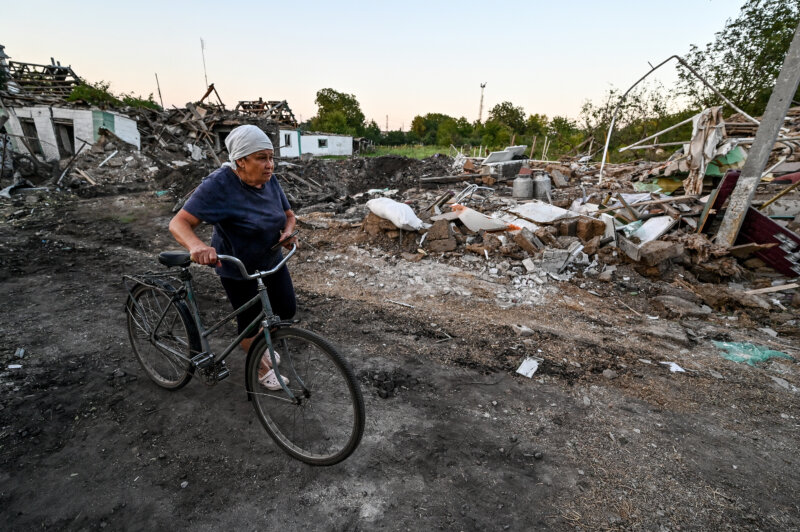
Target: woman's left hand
(286, 233)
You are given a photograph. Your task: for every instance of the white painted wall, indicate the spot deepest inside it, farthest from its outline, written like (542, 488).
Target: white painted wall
(84, 124)
(290, 149)
(309, 143)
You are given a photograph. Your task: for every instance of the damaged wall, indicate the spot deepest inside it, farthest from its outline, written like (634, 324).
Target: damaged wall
(82, 125)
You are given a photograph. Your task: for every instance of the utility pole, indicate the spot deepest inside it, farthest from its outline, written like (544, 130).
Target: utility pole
(771, 122)
(159, 91)
(387, 123)
(203, 52)
(480, 109)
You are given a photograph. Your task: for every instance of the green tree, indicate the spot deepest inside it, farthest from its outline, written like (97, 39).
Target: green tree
(338, 112)
(448, 133)
(509, 115)
(373, 132)
(647, 109)
(745, 58)
(394, 138)
(427, 127)
(536, 125)
(564, 136)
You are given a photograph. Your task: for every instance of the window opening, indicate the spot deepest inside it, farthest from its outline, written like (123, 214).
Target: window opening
(31, 135)
(322, 143)
(65, 135)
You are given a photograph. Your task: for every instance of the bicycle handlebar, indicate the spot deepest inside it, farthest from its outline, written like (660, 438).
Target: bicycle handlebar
(257, 274)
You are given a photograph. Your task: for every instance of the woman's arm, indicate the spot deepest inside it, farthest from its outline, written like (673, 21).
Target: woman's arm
(182, 228)
(291, 221)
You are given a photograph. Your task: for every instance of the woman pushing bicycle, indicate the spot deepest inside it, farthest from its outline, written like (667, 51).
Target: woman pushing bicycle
(250, 214)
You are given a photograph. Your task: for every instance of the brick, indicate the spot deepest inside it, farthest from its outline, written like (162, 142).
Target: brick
(588, 228)
(567, 227)
(524, 239)
(545, 234)
(374, 224)
(442, 245)
(440, 231)
(591, 247)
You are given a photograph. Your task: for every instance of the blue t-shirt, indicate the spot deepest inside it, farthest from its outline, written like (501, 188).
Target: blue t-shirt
(247, 220)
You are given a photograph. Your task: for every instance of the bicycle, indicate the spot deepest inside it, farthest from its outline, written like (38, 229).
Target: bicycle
(317, 418)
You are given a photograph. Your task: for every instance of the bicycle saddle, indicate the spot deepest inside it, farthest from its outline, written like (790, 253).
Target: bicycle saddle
(174, 258)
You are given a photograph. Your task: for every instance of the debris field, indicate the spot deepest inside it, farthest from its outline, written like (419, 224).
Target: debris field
(541, 344)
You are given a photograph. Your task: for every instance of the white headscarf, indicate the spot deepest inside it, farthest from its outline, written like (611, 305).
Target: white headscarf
(244, 140)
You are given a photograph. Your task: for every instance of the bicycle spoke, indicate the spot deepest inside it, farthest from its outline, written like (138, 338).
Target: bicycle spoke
(326, 426)
(163, 351)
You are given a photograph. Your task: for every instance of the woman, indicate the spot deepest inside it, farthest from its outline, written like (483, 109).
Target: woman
(250, 214)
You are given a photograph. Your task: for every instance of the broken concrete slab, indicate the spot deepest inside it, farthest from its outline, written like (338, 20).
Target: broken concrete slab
(476, 221)
(541, 212)
(657, 251)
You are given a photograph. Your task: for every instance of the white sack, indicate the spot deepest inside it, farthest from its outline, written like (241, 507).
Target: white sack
(400, 214)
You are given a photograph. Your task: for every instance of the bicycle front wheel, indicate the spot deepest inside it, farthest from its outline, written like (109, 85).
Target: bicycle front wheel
(162, 335)
(325, 424)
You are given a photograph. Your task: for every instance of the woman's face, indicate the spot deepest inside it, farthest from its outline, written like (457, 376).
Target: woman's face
(256, 169)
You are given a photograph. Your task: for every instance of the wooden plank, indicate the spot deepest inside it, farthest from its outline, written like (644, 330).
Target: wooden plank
(717, 199)
(778, 288)
(86, 176)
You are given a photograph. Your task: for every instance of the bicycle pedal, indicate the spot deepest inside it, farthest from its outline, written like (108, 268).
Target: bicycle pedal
(222, 373)
(203, 360)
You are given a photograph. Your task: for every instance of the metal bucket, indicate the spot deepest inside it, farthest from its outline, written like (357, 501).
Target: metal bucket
(522, 187)
(542, 187)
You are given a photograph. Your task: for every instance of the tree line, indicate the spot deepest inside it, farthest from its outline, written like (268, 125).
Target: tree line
(742, 62)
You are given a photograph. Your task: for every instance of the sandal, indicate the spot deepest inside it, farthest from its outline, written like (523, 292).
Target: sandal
(268, 362)
(270, 381)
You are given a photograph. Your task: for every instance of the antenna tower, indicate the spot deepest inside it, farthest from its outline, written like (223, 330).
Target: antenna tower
(480, 109)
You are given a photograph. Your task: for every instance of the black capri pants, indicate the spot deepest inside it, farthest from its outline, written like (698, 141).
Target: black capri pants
(279, 289)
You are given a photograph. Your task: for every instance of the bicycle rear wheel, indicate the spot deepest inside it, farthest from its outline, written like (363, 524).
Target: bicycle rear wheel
(166, 355)
(327, 424)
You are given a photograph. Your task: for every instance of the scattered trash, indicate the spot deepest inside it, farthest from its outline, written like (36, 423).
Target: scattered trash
(522, 330)
(529, 366)
(15, 366)
(748, 353)
(673, 367)
(20, 352)
(400, 303)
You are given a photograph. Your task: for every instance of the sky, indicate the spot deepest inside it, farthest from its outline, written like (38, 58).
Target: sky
(399, 59)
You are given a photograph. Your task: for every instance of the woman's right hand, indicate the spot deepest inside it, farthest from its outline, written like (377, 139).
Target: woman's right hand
(203, 254)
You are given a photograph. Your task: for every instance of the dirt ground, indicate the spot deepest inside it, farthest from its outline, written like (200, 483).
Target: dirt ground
(603, 436)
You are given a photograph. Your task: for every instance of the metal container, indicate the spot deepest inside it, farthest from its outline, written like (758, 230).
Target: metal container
(542, 187)
(522, 187)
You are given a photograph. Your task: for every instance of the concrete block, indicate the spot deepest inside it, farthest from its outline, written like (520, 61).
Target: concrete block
(656, 251)
(530, 266)
(553, 259)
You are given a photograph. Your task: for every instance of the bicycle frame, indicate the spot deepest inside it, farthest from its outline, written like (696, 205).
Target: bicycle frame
(266, 318)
